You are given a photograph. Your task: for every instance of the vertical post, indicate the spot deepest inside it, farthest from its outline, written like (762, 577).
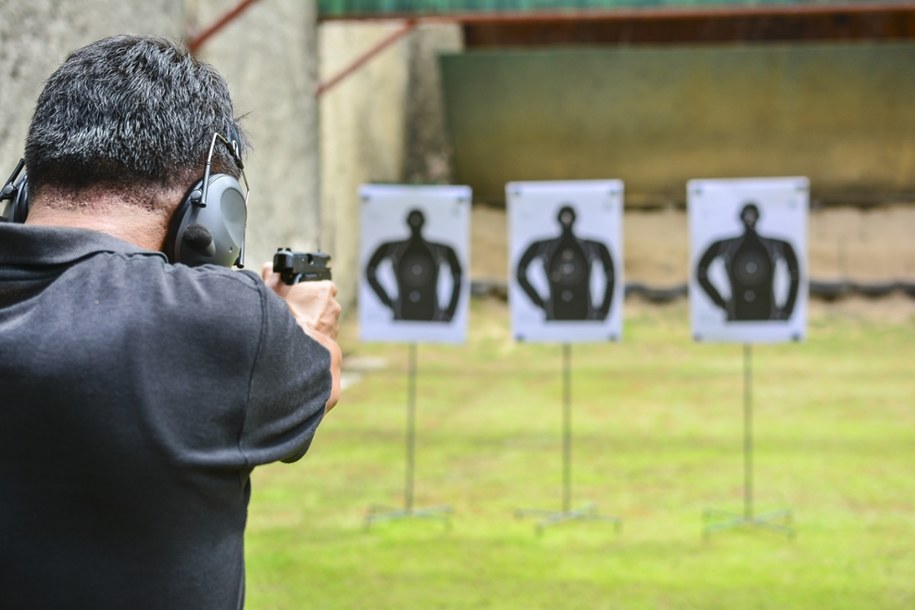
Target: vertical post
(567, 514)
(747, 432)
(411, 427)
(766, 520)
(311, 217)
(567, 427)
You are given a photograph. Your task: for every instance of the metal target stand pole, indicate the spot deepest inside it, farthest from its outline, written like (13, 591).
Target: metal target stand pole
(779, 521)
(588, 511)
(383, 513)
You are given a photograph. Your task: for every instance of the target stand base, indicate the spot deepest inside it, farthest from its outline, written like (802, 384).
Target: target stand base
(777, 521)
(587, 512)
(386, 513)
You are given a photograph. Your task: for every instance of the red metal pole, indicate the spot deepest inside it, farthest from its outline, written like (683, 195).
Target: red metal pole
(197, 41)
(393, 37)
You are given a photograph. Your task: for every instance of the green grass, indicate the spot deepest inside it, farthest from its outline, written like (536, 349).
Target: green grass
(657, 438)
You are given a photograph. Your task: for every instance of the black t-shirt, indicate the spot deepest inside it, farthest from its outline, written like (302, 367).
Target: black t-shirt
(136, 397)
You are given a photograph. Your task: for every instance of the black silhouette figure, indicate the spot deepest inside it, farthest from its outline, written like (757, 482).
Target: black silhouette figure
(417, 264)
(568, 262)
(750, 261)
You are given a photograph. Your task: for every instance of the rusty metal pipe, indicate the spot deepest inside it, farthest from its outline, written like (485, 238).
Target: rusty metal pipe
(197, 41)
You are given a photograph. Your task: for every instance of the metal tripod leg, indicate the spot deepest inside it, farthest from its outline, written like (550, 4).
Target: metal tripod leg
(378, 513)
(778, 521)
(588, 511)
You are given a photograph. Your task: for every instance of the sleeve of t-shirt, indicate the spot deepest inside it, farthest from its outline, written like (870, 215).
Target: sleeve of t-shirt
(290, 384)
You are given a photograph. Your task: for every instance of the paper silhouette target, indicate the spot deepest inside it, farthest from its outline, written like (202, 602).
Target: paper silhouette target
(414, 253)
(748, 250)
(565, 260)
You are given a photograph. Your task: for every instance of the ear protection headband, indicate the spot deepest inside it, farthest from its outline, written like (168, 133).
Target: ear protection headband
(209, 224)
(16, 194)
(207, 227)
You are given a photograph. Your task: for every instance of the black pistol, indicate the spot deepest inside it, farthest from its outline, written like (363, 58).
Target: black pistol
(295, 267)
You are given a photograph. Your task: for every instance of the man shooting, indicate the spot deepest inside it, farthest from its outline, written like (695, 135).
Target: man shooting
(139, 392)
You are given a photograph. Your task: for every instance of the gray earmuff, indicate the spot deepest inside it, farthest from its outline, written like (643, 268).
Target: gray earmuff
(209, 225)
(16, 195)
(211, 231)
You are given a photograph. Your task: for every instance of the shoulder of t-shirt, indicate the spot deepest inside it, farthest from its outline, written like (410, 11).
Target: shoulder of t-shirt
(222, 292)
(235, 278)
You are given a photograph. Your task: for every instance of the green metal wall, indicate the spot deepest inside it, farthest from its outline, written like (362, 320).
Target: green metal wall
(344, 8)
(843, 115)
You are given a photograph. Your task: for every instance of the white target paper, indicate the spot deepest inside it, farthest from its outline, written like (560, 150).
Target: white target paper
(748, 259)
(565, 260)
(414, 263)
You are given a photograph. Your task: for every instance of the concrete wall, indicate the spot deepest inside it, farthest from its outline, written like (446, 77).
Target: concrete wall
(36, 36)
(269, 57)
(428, 155)
(362, 126)
(383, 123)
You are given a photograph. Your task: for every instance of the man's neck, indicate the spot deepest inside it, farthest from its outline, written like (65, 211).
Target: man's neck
(146, 228)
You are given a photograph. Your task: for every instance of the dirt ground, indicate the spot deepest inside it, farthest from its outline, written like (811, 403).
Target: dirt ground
(863, 245)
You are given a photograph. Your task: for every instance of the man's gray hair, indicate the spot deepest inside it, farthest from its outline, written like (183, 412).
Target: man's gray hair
(129, 111)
